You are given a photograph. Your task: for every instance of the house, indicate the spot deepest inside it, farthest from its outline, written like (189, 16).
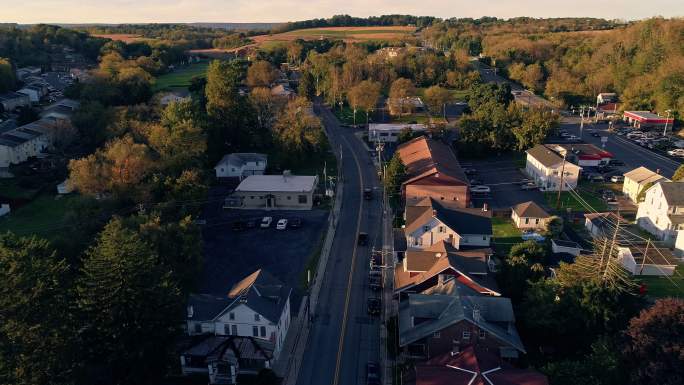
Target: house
(645, 260)
(241, 165)
(405, 105)
(24, 72)
(434, 324)
(529, 215)
(601, 224)
(582, 154)
(559, 246)
(61, 110)
(258, 306)
(662, 211)
(35, 91)
(545, 163)
(637, 179)
(389, 132)
(471, 366)
(647, 119)
(30, 140)
(420, 271)
(274, 192)
(606, 97)
(429, 222)
(433, 171)
(223, 358)
(283, 91)
(175, 96)
(13, 100)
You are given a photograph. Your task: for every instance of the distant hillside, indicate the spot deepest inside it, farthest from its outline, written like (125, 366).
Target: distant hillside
(238, 26)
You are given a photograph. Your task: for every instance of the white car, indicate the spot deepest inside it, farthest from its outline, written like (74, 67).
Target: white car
(573, 137)
(480, 189)
(282, 224)
(266, 222)
(676, 152)
(617, 178)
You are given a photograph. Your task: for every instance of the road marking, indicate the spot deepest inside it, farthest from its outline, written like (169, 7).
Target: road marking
(351, 269)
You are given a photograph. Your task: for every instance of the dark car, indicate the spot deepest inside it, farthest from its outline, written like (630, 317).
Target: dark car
(374, 306)
(470, 171)
(616, 162)
(363, 239)
(372, 373)
(367, 194)
(295, 223)
(595, 134)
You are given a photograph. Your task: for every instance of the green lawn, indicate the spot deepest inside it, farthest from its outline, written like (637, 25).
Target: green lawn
(43, 216)
(659, 287)
(505, 235)
(416, 118)
(346, 115)
(9, 188)
(180, 78)
(344, 32)
(568, 200)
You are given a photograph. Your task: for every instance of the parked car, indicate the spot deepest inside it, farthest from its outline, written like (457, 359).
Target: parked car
(374, 306)
(367, 194)
(363, 239)
(282, 224)
(676, 152)
(594, 177)
(573, 138)
(595, 134)
(532, 236)
(529, 186)
(474, 182)
(250, 223)
(565, 135)
(266, 222)
(608, 195)
(480, 189)
(372, 373)
(295, 223)
(617, 178)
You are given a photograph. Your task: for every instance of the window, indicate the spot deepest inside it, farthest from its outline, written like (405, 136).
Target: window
(234, 329)
(221, 169)
(231, 316)
(198, 328)
(527, 221)
(441, 229)
(255, 331)
(484, 237)
(536, 221)
(226, 329)
(436, 335)
(426, 228)
(263, 331)
(303, 199)
(483, 334)
(466, 335)
(257, 317)
(289, 198)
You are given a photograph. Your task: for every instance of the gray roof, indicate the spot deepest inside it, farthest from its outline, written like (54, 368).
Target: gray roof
(25, 133)
(11, 96)
(232, 349)
(433, 313)
(240, 158)
(544, 155)
(673, 193)
(530, 210)
(643, 175)
(460, 220)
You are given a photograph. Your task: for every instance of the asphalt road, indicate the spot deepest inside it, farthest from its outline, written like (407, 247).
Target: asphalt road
(343, 337)
(623, 149)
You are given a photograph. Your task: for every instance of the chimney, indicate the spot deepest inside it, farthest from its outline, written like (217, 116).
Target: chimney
(658, 171)
(484, 207)
(191, 311)
(476, 315)
(434, 213)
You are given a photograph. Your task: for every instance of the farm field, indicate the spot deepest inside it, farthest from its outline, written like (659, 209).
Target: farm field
(181, 77)
(124, 37)
(348, 34)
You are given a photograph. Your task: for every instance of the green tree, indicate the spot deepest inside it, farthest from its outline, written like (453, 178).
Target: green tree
(395, 176)
(436, 99)
(130, 309)
(297, 129)
(7, 79)
(535, 127)
(401, 90)
(35, 316)
(179, 146)
(364, 96)
(261, 74)
(307, 85)
(91, 120)
(522, 266)
(554, 227)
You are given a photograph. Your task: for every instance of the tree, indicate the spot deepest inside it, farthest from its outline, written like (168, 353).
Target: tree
(265, 105)
(654, 349)
(91, 120)
(395, 176)
(401, 90)
(405, 135)
(307, 85)
(642, 193)
(7, 79)
(261, 74)
(679, 174)
(436, 99)
(297, 130)
(535, 127)
(130, 309)
(294, 52)
(35, 319)
(522, 266)
(365, 96)
(554, 227)
(179, 146)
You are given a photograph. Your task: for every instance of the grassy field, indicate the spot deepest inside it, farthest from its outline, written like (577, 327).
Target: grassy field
(42, 216)
(569, 201)
(348, 34)
(505, 235)
(659, 287)
(124, 37)
(181, 77)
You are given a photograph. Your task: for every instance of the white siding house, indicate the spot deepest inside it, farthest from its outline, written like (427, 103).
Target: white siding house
(644, 260)
(241, 165)
(662, 211)
(637, 179)
(24, 142)
(545, 164)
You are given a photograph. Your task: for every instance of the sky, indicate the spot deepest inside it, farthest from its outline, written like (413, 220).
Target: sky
(178, 11)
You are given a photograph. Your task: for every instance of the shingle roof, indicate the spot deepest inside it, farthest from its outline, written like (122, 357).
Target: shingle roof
(240, 158)
(545, 156)
(423, 157)
(460, 220)
(642, 175)
(673, 193)
(530, 210)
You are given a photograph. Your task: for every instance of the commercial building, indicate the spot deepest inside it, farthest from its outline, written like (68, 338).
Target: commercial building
(274, 192)
(647, 119)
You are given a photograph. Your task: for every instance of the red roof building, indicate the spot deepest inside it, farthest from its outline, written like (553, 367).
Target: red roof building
(646, 119)
(472, 366)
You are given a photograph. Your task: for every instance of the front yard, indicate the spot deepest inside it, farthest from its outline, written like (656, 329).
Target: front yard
(505, 235)
(672, 286)
(568, 200)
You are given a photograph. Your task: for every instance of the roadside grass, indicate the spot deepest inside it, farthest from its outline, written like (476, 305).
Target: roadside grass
(659, 287)
(42, 216)
(505, 235)
(181, 77)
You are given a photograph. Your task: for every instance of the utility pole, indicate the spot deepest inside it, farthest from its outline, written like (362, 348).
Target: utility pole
(560, 186)
(581, 121)
(612, 244)
(643, 261)
(666, 121)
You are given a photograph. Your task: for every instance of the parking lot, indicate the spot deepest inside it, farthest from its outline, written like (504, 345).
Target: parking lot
(502, 174)
(231, 254)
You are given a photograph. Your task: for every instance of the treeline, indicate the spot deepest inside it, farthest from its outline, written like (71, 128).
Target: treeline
(350, 21)
(34, 45)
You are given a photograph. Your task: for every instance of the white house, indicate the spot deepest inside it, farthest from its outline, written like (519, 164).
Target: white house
(27, 141)
(645, 260)
(258, 306)
(240, 165)
(389, 132)
(274, 192)
(637, 179)
(545, 164)
(529, 215)
(662, 211)
(429, 222)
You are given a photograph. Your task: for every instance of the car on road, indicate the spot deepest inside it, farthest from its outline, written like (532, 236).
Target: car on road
(367, 194)
(480, 189)
(363, 239)
(372, 373)
(679, 152)
(617, 178)
(374, 306)
(266, 222)
(573, 138)
(595, 134)
(282, 224)
(295, 223)
(529, 186)
(474, 182)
